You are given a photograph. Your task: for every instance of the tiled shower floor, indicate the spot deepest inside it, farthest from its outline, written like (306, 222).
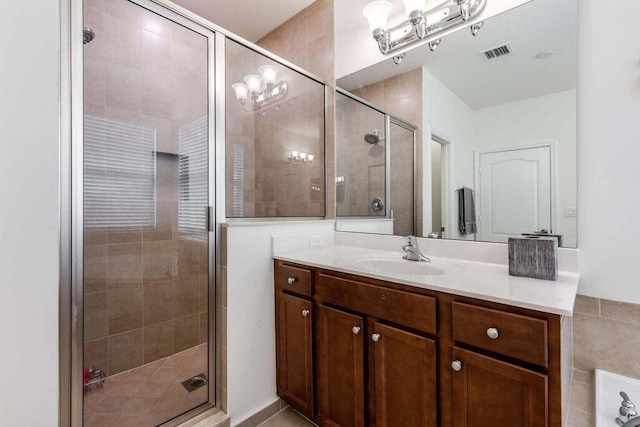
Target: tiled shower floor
(148, 395)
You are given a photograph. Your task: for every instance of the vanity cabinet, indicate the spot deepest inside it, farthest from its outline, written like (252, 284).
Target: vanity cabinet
(490, 392)
(341, 367)
(405, 375)
(387, 354)
(294, 348)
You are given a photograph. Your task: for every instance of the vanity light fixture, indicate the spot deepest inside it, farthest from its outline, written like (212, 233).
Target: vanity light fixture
(259, 91)
(424, 18)
(297, 157)
(398, 58)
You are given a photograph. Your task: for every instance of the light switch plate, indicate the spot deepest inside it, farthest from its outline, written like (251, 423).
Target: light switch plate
(570, 212)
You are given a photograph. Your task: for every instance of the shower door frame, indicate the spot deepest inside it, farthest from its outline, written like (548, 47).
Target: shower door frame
(390, 119)
(72, 204)
(71, 180)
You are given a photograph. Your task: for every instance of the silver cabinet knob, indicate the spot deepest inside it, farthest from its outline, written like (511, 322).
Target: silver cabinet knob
(355, 330)
(305, 313)
(493, 333)
(375, 337)
(456, 365)
(291, 280)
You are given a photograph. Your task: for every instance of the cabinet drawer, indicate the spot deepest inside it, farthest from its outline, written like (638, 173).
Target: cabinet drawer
(513, 335)
(294, 279)
(403, 308)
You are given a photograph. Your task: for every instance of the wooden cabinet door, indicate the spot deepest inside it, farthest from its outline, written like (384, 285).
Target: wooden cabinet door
(340, 368)
(488, 392)
(405, 378)
(295, 353)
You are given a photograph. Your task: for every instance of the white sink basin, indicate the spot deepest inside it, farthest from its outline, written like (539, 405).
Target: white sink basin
(402, 266)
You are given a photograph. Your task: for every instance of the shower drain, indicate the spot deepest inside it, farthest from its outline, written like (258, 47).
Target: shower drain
(195, 383)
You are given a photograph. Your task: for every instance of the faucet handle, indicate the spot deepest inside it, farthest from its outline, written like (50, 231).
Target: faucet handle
(626, 402)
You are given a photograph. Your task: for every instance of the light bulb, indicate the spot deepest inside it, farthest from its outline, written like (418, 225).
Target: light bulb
(241, 91)
(269, 73)
(377, 13)
(310, 157)
(254, 82)
(413, 5)
(303, 156)
(294, 154)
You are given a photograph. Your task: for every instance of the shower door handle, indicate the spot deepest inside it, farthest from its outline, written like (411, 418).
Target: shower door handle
(209, 216)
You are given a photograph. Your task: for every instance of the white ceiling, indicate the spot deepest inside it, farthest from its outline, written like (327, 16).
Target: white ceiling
(535, 27)
(250, 19)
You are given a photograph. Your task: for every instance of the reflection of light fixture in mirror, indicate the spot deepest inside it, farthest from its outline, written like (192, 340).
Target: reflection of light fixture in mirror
(297, 157)
(475, 28)
(424, 18)
(259, 91)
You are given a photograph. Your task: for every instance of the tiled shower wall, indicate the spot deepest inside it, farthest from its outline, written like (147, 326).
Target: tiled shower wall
(261, 180)
(307, 40)
(145, 285)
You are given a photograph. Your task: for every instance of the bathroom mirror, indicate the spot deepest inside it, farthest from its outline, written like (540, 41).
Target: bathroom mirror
(496, 118)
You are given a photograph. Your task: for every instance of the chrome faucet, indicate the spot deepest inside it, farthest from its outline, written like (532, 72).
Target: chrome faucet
(412, 251)
(628, 411)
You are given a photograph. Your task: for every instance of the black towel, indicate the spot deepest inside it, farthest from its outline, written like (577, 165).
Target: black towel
(466, 211)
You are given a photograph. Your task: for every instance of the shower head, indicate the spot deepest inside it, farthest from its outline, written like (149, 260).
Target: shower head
(372, 137)
(88, 35)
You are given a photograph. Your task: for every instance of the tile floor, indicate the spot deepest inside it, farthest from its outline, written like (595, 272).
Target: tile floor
(148, 395)
(287, 418)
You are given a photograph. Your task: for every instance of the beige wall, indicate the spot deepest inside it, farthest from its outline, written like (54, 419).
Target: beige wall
(605, 336)
(306, 40)
(145, 285)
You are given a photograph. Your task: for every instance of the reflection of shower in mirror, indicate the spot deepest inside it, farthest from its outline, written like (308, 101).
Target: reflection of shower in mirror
(373, 137)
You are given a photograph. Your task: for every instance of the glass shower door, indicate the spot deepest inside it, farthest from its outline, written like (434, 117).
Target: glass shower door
(402, 180)
(145, 203)
(361, 160)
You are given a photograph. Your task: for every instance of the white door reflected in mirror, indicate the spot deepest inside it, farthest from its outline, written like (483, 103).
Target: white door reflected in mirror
(513, 192)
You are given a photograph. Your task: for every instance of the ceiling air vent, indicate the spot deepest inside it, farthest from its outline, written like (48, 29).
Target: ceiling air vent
(497, 52)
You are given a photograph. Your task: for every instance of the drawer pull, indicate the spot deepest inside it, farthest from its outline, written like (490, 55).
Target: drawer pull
(355, 330)
(456, 365)
(375, 337)
(493, 333)
(292, 280)
(305, 313)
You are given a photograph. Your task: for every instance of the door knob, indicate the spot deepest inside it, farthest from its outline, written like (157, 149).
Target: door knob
(291, 280)
(375, 337)
(305, 313)
(493, 333)
(355, 330)
(456, 365)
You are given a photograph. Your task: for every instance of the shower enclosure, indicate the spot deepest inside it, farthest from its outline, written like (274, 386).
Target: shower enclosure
(375, 164)
(146, 297)
(153, 97)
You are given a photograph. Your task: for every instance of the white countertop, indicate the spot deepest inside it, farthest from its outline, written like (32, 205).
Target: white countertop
(489, 282)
